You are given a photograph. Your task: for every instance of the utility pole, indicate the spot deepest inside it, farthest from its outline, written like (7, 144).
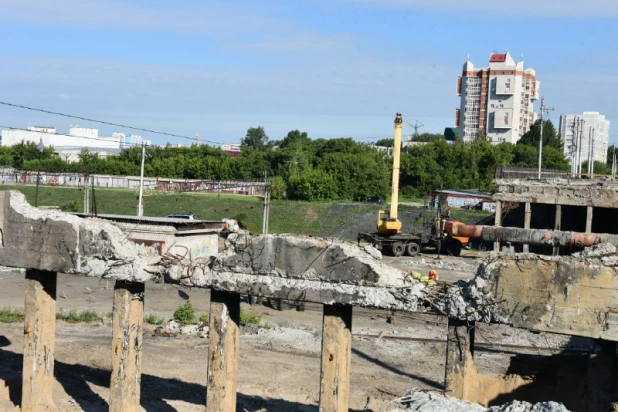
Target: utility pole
(614, 162)
(591, 153)
(573, 150)
(265, 216)
(417, 125)
(544, 110)
(579, 146)
(140, 202)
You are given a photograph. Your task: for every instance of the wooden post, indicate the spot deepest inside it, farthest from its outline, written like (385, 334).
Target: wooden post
(527, 218)
(127, 334)
(459, 351)
(589, 220)
(39, 341)
(336, 358)
(223, 352)
(498, 222)
(557, 226)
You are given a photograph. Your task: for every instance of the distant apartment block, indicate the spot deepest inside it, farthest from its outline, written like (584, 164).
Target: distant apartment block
(497, 102)
(68, 145)
(583, 134)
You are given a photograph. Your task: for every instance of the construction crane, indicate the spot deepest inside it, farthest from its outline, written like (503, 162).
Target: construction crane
(389, 235)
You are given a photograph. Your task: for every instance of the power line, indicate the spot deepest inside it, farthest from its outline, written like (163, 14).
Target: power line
(34, 109)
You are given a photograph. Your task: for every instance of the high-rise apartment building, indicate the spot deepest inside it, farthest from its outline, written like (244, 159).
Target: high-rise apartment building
(497, 102)
(583, 134)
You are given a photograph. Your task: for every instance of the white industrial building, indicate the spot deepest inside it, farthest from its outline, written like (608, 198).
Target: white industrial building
(583, 134)
(69, 145)
(497, 102)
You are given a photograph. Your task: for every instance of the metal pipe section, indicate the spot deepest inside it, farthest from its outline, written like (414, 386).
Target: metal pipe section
(534, 236)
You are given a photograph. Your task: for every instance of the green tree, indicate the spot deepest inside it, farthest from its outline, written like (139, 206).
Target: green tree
(295, 137)
(255, 138)
(385, 142)
(550, 136)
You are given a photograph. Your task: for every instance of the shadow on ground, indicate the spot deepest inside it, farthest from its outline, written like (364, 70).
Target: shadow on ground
(155, 391)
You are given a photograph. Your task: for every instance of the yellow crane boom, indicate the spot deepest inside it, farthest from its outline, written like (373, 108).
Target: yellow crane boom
(388, 223)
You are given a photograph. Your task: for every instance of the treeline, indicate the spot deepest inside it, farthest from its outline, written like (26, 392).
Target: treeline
(314, 169)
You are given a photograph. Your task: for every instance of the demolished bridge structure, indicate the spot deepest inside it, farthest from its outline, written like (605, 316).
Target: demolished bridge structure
(567, 295)
(339, 276)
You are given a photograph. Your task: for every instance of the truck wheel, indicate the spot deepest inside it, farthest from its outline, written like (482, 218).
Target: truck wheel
(454, 247)
(398, 248)
(413, 249)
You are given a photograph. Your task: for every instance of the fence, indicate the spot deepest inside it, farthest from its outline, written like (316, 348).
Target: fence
(12, 176)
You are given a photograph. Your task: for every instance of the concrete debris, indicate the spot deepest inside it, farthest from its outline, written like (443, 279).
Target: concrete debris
(474, 300)
(173, 328)
(54, 241)
(597, 251)
(372, 251)
(425, 401)
(443, 264)
(302, 268)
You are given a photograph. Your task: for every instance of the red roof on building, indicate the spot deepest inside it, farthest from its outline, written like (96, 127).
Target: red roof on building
(232, 153)
(497, 58)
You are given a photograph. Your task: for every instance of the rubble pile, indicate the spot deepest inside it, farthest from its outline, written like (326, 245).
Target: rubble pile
(423, 401)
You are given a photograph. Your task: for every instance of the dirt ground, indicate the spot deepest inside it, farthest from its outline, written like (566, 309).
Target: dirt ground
(279, 365)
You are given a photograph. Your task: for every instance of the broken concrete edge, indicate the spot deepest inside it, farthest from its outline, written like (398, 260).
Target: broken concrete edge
(59, 242)
(478, 300)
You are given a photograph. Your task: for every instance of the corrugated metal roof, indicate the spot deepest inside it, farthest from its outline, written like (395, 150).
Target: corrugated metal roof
(180, 224)
(470, 192)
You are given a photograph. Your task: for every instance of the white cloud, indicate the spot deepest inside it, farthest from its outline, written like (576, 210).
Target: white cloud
(213, 18)
(526, 8)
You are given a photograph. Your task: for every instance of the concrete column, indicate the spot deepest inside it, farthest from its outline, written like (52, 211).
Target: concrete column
(557, 226)
(498, 222)
(527, 218)
(223, 352)
(459, 352)
(336, 358)
(589, 220)
(127, 333)
(39, 341)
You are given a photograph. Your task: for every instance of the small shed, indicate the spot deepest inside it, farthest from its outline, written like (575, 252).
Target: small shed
(194, 238)
(463, 199)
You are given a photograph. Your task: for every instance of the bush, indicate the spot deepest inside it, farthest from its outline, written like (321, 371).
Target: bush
(11, 316)
(185, 313)
(247, 318)
(205, 318)
(70, 207)
(154, 319)
(74, 316)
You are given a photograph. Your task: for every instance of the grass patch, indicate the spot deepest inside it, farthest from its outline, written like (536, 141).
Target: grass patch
(152, 319)
(285, 216)
(85, 316)
(205, 318)
(249, 318)
(11, 316)
(185, 313)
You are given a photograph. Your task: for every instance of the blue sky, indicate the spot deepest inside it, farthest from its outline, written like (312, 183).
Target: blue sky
(329, 67)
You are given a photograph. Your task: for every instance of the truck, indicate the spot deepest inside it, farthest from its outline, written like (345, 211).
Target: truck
(438, 230)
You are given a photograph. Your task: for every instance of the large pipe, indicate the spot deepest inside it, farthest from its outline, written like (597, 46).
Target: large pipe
(533, 236)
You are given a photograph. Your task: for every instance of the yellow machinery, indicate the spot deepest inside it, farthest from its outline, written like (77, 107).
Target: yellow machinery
(388, 223)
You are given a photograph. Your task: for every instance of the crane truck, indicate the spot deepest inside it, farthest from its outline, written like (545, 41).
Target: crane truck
(389, 237)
